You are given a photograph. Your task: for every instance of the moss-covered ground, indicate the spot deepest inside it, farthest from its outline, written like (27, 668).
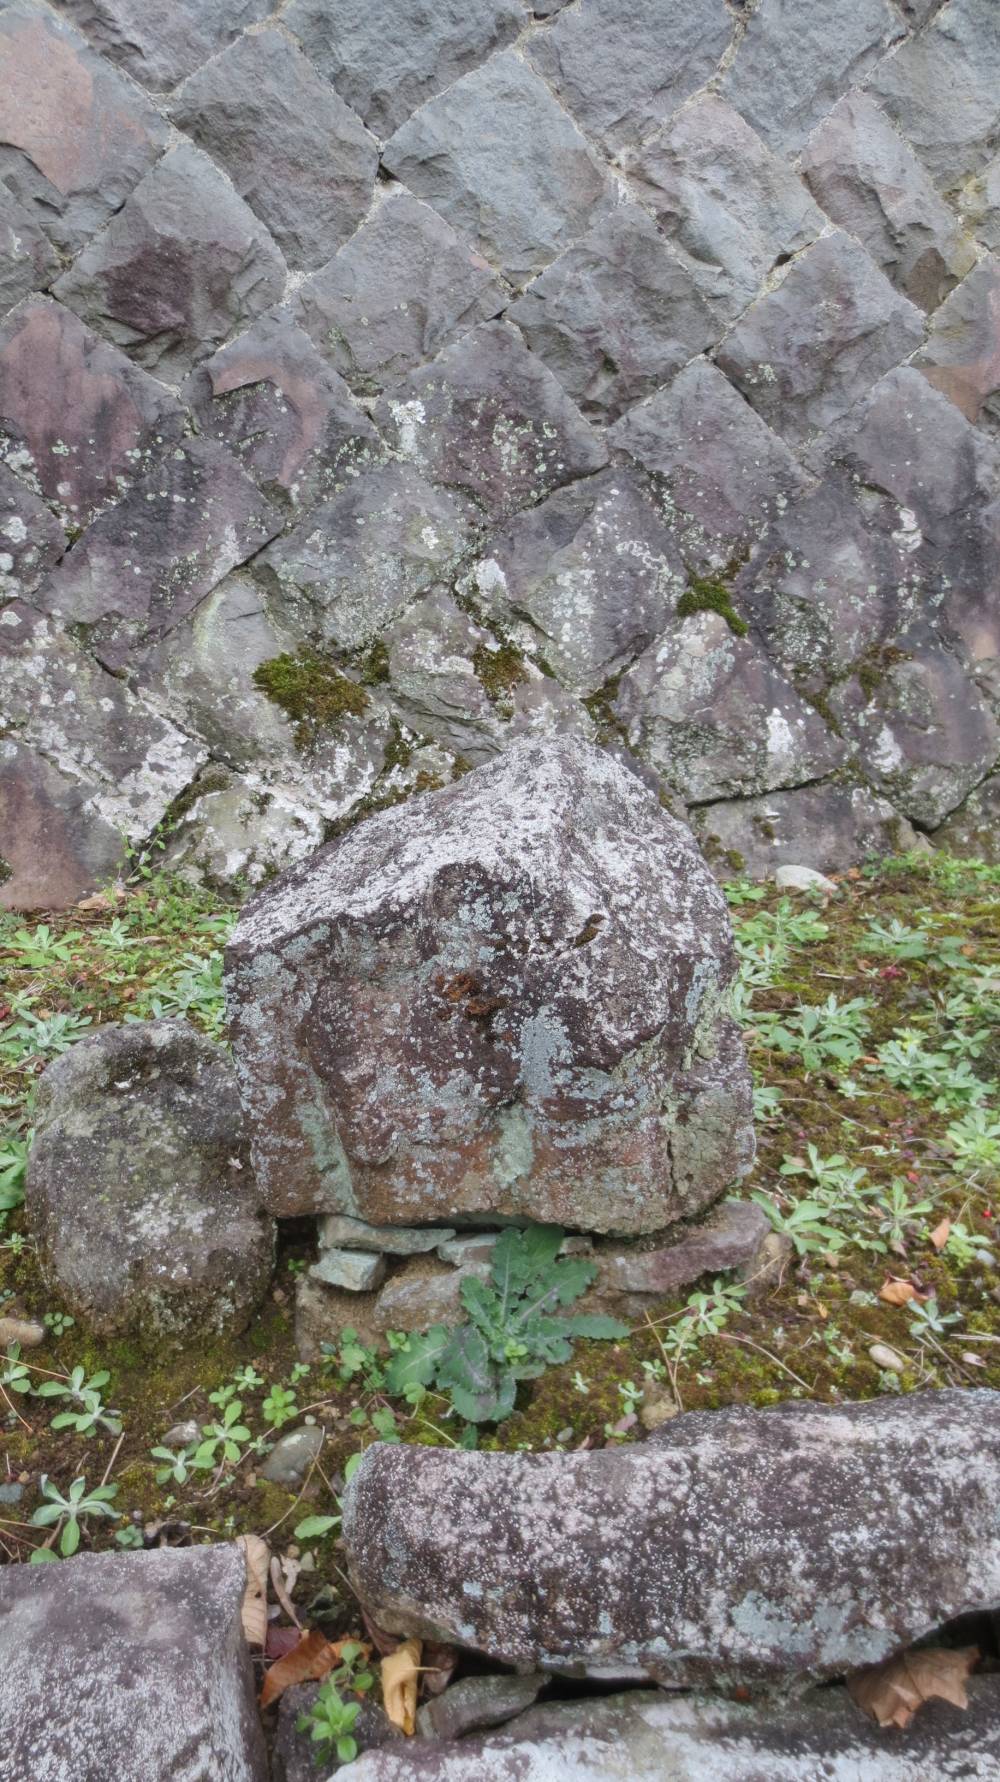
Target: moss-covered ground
(872, 1023)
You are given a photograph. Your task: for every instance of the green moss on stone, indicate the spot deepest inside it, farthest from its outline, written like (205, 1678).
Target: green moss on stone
(705, 595)
(312, 691)
(499, 671)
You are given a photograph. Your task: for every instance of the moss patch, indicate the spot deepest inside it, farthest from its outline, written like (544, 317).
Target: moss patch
(499, 671)
(705, 595)
(312, 691)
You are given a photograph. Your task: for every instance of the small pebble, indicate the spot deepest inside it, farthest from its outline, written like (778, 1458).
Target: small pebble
(885, 1357)
(182, 1434)
(565, 1435)
(804, 878)
(21, 1330)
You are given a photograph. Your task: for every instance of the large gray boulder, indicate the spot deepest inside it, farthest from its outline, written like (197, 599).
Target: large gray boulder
(733, 1546)
(649, 1736)
(132, 1665)
(139, 1191)
(506, 997)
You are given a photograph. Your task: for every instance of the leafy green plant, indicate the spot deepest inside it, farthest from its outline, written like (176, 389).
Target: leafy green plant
(38, 949)
(89, 1412)
(947, 1083)
(806, 1223)
(13, 1165)
(330, 1720)
(927, 1319)
(279, 1407)
(72, 1510)
(176, 1467)
(15, 1375)
(975, 1138)
(58, 1322)
(222, 1441)
(513, 1331)
(900, 1215)
(827, 1033)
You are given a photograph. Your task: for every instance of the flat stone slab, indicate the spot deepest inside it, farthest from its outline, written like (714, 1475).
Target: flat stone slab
(132, 1665)
(392, 1240)
(733, 1545)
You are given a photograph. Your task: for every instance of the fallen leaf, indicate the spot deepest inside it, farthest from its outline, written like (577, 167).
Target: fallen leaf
(941, 1234)
(308, 1662)
(891, 1693)
(281, 1641)
(283, 1576)
(99, 901)
(400, 1676)
(257, 1555)
(899, 1293)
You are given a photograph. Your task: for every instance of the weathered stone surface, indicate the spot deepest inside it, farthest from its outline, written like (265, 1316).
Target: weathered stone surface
(292, 1455)
(422, 1295)
(293, 1757)
(804, 878)
(615, 315)
(729, 1238)
(921, 734)
(731, 208)
(733, 1544)
(791, 67)
(489, 418)
(722, 470)
(807, 350)
(179, 268)
(594, 571)
(942, 89)
(620, 83)
(388, 56)
(504, 165)
(474, 1704)
(54, 848)
(129, 1664)
(126, 762)
(274, 401)
(31, 540)
(514, 915)
(871, 183)
(74, 136)
(28, 260)
(300, 157)
(396, 293)
(649, 1735)
(452, 681)
(395, 1240)
(351, 1269)
(979, 200)
(78, 421)
(145, 564)
(159, 45)
(962, 355)
(832, 823)
(138, 1188)
(974, 828)
(716, 718)
(358, 560)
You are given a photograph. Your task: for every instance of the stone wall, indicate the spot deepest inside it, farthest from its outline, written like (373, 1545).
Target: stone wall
(378, 382)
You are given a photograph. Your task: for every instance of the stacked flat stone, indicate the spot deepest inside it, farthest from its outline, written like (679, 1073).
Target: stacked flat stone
(619, 370)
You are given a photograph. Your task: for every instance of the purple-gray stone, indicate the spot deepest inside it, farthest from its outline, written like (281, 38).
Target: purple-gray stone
(792, 66)
(159, 45)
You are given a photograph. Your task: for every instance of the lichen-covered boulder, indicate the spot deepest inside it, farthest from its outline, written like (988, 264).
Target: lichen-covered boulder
(139, 1190)
(506, 997)
(733, 1545)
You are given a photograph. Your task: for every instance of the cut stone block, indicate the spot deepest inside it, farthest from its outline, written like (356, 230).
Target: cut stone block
(352, 1269)
(335, 1230)
(835, 823)
(159, 45)
(962, 355)
(791, 67)
(942, 90)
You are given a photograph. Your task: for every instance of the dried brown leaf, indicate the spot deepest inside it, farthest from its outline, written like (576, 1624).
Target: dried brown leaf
(283, 1576)
(891, 1693)
(310, 1661)
(400, 1677)
(941, 1234)
(257, 1556)
(899, 1293)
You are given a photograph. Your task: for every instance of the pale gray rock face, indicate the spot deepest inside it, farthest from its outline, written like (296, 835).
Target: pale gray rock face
(715, 717)
(730, 1238)
(131, 1665)
(78, 421)
(980, 204)
(729, 205)
(593, 570)
(517, 1066)
(146, 563)
(791, 67)
(620, 83)
(488, 418)
(962, 355)
(336, 1231)
(388, 56)
(139, 1191)
(921, 734)
(871, 183)
(159, 45)
(27, 258)
(31, 540)
(974, 828)
(74, 136)
(275, 402)
(351, 1269)
(357, 561)
(300, 157)
(807, 350)
(720, 470)
(474, 1704)
(504, 164)
(396, 293)
(180, 267)
(54, 848)
(735, 1545)
(648, 1735)
(942, 90)
(829, 823)
(615, 315)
